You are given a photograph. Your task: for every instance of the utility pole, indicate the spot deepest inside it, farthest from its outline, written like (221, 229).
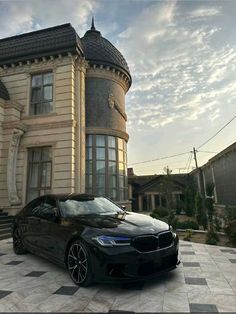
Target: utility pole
(195, 157)
(200, 177)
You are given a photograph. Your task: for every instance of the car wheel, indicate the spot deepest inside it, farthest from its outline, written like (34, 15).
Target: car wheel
(18, 245)
(79, 264)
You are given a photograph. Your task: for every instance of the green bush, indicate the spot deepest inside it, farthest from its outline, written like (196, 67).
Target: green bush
(159, 212)
(189, 224)
(166, 216)
(217, 222)
(212, 237)
(211, 241)
(230, 231)
(178, 211)
(189, 202)
(172, 220)
(230, 223)
(188, 234)
(179, 207)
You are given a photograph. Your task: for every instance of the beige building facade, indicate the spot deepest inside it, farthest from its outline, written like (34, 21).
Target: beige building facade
(62, 117)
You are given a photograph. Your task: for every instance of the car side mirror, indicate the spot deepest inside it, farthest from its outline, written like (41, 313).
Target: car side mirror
(123, 207)
(50, 214)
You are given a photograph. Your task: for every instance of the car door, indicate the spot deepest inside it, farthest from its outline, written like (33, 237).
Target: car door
(50, 228)
(30, 223)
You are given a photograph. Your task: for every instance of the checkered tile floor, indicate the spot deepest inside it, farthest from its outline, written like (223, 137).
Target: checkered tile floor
(204, 282)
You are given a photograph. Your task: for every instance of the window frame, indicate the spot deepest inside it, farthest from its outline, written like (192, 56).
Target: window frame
(121, 189)
(41, 162)
(33, 105)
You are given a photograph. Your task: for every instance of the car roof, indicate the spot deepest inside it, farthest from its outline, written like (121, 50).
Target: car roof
(71, 196)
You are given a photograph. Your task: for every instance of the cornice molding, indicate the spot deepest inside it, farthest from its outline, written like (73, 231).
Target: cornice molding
(39, 64)
(13, 104)
(52, 125)
(106, 131)
(15, 125)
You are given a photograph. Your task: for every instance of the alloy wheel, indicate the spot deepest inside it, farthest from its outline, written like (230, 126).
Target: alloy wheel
(77, 263)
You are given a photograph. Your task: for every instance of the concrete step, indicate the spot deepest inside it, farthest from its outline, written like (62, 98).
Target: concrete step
(5, 236)
(6, 219)
(5, 225)
(5, 231)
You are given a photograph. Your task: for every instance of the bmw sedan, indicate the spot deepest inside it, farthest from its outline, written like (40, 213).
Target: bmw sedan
(95, 239)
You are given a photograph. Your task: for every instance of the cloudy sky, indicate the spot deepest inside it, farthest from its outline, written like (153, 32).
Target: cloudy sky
(182, 57)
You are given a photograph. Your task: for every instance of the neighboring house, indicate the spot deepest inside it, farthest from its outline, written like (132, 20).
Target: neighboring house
(62, 116)
(149, 192)
(220, 170)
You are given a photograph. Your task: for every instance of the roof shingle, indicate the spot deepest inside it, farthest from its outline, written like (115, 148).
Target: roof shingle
(99, 50)
(50, 41)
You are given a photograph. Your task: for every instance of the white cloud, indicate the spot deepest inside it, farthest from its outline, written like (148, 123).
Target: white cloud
(175, 68)
(205, 12)
(45, 13)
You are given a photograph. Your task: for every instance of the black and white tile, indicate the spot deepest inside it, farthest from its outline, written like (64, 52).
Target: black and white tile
(204, 282)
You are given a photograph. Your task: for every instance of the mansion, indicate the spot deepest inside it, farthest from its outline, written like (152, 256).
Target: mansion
(62, 116)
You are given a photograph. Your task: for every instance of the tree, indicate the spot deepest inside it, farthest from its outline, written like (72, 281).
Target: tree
(199, 210)
(212, 236)
(166, 188)
(189, 201)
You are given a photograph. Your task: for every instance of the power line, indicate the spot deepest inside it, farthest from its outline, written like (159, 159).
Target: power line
(216, 133)
(162, 163)
(161, 158)
(204, 151)
(188, 160)
(185, 153)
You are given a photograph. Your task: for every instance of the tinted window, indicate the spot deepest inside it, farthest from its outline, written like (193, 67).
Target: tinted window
(95, 206)
(29, 208)
(46, 207)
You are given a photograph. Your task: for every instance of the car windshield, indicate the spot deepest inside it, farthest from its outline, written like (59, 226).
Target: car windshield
(95, 206)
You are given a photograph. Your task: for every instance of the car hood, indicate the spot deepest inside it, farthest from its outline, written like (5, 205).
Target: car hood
(127, 223)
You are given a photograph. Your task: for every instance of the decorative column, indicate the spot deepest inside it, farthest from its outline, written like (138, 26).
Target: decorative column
(152, 201)
(80, 136)
(140, 203)
(11, 167)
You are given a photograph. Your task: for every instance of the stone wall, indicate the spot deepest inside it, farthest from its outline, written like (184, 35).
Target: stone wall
(63, 129)
(105, 102)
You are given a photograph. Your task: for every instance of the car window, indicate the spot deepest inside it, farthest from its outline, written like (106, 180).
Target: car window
(96, 206)
(28, 210)
(46, 208)
(37, 210)
(49, 205)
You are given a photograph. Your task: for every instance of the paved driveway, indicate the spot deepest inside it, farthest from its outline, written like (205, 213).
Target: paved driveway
(205, 281)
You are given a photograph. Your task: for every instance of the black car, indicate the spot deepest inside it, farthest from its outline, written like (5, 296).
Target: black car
(95, 239)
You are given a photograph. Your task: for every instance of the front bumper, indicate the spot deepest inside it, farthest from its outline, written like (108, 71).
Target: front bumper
(126, 264)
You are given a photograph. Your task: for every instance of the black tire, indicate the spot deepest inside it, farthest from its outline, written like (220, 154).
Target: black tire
(79, 264)
(18, 245)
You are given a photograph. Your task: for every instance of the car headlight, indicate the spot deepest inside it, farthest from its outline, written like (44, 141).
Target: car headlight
(173, 233)
(109, 241)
